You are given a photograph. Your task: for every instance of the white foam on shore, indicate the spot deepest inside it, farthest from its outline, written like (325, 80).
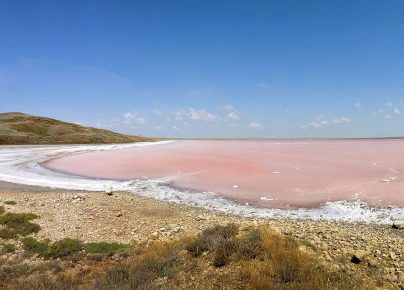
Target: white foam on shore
(21, 164)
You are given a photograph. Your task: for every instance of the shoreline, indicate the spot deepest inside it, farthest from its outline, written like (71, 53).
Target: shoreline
(23, 167)
(125, 217)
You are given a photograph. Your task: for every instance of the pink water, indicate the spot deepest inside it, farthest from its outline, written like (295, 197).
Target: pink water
(275, 174)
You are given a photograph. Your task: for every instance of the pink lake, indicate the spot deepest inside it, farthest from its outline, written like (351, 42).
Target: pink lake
(267, 173)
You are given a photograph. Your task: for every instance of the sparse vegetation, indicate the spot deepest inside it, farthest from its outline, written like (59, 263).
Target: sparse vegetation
(10, 202)
(105, 248)
(2, 210)
(256, 258)
(19, 128)
(7, 248)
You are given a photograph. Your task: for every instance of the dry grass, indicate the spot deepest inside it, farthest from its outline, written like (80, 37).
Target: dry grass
(284, 266)
(256, 259)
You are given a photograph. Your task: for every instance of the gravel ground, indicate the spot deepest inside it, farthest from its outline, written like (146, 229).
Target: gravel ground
(125, 217)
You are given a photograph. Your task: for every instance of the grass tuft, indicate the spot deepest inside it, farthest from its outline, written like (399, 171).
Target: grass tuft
(10, 202)
(105, 248)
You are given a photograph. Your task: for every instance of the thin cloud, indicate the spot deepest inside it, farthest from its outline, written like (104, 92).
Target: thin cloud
(157, 112)
(201, 115)
(232, 113)
(233, 116)
(357, 105)
(263, 86)
(254, 125)
(130, 118)
(320, 122)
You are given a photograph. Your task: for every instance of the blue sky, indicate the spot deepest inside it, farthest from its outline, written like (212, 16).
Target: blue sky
(208, 68)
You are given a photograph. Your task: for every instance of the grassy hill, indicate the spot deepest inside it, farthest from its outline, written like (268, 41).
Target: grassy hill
(20, 128)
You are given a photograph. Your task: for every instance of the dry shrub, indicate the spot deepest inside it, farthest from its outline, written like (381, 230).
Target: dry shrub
(46, 282)
(259, 259)
(212, 239)
(140, 272)
(251, 246)
(286, 267)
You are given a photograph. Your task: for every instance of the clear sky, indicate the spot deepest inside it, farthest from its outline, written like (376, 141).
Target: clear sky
(208, 68)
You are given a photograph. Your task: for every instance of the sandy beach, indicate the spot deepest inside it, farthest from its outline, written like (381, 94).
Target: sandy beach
(127, 217)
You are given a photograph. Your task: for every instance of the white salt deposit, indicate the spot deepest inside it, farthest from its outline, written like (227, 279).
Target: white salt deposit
(21, 164)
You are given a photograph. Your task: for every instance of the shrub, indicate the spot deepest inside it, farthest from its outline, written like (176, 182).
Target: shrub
(7, 234)
(211, 238)
(8, 248)
(148, 264)
(43, 281)
(33, 246)
(286, 267)
(10, 202)
(250, 246)
(65, 247)
(2, 210)
(223, 252)
(19, 223)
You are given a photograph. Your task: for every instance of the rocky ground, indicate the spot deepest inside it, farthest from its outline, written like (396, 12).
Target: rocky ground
(372, 251)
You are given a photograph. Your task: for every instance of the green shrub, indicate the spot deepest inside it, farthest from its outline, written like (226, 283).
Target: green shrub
(10, 202)
(7, 234)
(33, 246)
(8, 248)
(105, 248)
(19, 223)
(65, 247)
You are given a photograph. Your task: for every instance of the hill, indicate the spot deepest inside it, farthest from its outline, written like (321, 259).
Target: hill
(20, 128)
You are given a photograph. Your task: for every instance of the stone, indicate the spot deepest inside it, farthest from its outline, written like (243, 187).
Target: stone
(359, 256)
(200, 218)
(373, 263)
(398, 225)
(109, 191)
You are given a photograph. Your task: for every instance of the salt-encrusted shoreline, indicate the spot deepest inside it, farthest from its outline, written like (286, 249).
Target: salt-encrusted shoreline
(22, 165)
(125, 217)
